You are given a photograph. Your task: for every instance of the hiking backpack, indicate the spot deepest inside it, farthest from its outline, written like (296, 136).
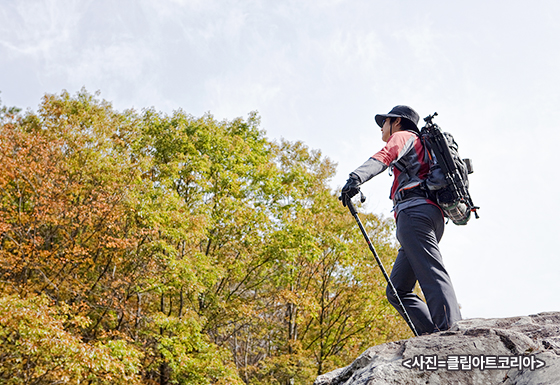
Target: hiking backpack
(447, 183)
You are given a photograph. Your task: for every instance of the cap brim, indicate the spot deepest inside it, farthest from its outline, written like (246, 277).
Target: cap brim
(380, 117)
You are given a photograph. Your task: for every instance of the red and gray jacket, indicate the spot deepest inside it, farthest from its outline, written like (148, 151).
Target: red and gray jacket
(404, 154)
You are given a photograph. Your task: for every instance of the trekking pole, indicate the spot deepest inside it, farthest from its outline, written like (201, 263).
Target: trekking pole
(355, 215)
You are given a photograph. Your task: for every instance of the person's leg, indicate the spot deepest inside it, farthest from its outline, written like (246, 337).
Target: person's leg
(419, 230)
(403, 279)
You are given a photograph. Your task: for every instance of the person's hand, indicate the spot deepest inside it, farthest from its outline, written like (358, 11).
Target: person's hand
(350, 189)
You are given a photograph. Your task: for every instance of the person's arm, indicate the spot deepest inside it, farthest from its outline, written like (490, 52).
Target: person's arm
(374, 165)
(369, 169)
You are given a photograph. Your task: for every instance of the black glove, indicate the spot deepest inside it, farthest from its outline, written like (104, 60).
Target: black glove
(351, 188)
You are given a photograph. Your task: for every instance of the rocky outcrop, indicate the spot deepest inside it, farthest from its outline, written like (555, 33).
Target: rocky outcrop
(505, 351)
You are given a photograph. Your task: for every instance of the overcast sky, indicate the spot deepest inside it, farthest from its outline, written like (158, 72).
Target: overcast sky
(318, 71)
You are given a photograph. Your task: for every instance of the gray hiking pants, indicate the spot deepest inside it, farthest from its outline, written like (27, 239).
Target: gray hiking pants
(419, 230)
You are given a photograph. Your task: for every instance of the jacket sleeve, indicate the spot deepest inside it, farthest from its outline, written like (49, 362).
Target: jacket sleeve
(369, 169)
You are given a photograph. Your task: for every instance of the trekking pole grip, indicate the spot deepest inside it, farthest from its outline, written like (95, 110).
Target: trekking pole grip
(351, 205)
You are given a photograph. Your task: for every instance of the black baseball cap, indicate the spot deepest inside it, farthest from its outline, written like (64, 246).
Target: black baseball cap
(399, 112)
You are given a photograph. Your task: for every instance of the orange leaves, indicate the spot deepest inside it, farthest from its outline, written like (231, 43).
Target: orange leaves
(65, 217)
(114, 243)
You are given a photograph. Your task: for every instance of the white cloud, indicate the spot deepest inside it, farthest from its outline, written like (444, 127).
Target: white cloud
(126, 61)
(40, 28)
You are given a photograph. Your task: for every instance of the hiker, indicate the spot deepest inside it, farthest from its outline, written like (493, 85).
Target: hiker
(420, 223)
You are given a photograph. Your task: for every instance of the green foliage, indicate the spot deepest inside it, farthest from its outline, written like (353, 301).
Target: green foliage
(38, 348)
(190, 357)
(178, 250)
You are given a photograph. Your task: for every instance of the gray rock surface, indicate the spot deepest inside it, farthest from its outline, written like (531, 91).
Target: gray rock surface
(512, 351)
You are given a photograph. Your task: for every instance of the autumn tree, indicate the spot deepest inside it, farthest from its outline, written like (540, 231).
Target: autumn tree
(176, 249)
(85, 222)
